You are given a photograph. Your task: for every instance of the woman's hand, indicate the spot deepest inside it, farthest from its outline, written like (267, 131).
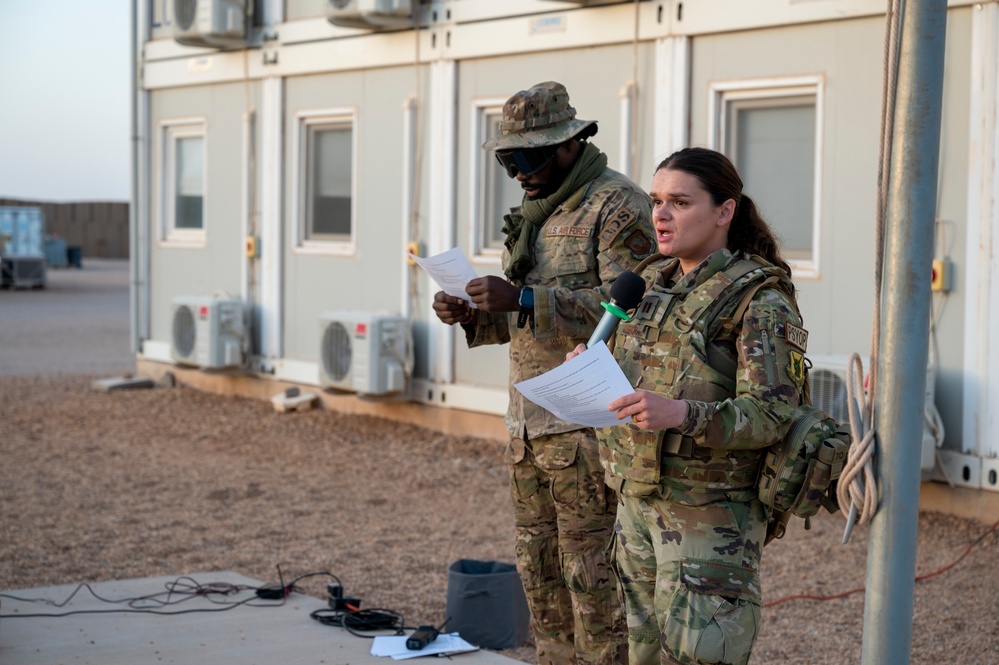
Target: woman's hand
(650, 411)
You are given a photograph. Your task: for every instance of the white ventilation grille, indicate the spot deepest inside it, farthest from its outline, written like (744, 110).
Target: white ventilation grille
(827, 382)
(828, 390)
(365, 352)
(209, 333)
(371, 14)
(211, 23)
(336, 355)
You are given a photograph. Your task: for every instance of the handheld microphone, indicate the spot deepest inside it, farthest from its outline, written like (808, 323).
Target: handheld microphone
(626, 292)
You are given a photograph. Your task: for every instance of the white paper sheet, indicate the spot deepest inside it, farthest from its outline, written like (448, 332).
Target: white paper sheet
(395, 646)
(451, 270)
(580, 390)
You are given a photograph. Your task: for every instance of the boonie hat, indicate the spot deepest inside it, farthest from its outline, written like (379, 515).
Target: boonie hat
(536, 117)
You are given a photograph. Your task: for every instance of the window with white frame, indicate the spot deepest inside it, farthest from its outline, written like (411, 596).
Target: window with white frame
(495, 192)
(184, 180)
(771, 130)
(326, 176)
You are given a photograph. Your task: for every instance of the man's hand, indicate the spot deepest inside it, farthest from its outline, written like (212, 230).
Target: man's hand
(451, 310)
(493, 294)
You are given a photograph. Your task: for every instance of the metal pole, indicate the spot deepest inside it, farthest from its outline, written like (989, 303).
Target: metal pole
(133, 212)
(912, 186)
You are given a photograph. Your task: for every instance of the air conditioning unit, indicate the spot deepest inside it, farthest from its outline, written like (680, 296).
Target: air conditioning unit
(365, 352)
(827, 382)
(212, 23)
(371, 14)
(210, 333)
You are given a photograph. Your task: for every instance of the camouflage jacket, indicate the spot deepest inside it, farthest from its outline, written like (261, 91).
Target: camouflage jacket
(741, 375)
(580, 250)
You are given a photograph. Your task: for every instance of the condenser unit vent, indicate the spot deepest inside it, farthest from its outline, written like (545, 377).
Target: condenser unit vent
(365, 352)
(211, 23)
(827, 382)
(209, 333)
(371, 14)
(828, 390)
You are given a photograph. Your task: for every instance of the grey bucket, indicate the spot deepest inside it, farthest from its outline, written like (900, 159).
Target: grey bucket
(486, 604)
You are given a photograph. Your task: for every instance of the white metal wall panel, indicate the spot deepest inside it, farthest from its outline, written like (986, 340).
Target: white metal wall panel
(837, 307)
(215, 266)
(981, 356)
(370, 275)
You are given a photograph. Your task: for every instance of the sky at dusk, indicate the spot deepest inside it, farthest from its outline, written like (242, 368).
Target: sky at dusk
(64, 86)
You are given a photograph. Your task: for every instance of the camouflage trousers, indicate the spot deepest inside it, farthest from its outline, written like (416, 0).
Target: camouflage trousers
(690, 579)
(564, 522)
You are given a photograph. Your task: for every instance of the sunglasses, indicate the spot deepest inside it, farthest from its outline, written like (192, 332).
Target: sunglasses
(526, 161)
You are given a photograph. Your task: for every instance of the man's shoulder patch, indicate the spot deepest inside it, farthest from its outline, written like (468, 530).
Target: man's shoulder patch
(641, 245)
(621, 219)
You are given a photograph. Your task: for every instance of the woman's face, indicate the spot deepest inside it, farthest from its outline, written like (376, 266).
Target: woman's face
(689, 226)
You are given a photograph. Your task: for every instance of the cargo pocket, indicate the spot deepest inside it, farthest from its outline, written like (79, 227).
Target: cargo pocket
(515, 451)
(710, 619)
(524, 483)
(558, 457)
(587, 573)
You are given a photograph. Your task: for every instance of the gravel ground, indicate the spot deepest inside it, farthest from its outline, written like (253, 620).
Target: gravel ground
(98, 486)
(168, 481)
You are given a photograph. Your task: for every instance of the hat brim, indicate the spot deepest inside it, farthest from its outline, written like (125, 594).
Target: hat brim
(538, 138)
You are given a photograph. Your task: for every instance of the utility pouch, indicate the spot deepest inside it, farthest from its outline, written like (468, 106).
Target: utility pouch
(800, 472)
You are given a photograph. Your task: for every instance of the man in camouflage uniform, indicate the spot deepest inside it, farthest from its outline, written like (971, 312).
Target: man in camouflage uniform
(579, 226)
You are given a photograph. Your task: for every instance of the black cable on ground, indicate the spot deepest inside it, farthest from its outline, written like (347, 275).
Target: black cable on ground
(360, 622)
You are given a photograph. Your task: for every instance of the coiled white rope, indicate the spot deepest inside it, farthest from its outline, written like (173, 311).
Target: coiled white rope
(857, 491)
(857, 487)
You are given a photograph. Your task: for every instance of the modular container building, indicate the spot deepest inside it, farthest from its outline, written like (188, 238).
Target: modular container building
(290, 152)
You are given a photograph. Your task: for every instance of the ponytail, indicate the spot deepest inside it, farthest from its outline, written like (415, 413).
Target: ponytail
(750, 234)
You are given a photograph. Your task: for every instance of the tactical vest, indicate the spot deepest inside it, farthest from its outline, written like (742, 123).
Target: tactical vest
(665, 349)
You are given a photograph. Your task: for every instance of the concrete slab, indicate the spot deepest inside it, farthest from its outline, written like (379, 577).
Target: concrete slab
(258, 633)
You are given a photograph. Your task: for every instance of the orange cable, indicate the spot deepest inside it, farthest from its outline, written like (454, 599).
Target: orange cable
(926, 576)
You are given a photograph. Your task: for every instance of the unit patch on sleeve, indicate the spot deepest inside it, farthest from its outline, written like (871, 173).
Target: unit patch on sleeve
(617, 224)
(796, 368)
(641, 245)
(796, 337)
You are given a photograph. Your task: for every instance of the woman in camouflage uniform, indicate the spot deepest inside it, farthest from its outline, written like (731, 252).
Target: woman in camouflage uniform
(716, 383)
